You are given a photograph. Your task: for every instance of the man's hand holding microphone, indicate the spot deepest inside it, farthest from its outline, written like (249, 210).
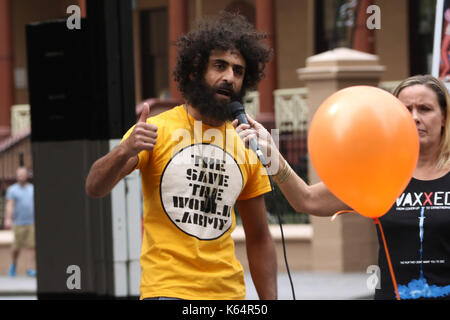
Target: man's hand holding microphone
(254, 133)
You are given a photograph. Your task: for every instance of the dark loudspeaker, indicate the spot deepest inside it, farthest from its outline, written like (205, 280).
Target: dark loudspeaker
(58, 71)
(82, 101)
(81, 81)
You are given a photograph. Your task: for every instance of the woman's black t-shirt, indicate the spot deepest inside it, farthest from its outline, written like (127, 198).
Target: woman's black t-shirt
(417, 231)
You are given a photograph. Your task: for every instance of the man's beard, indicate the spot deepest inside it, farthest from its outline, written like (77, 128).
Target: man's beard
(203, 98)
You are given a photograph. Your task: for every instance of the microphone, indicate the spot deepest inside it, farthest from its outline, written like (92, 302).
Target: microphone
(238, 112)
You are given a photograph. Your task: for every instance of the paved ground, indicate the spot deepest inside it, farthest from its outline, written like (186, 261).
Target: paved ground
(318, 286)
(308, 286)
(17, 288)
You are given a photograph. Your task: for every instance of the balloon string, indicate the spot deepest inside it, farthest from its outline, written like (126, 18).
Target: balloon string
(394, 282)
(341, 212)
(377, 222)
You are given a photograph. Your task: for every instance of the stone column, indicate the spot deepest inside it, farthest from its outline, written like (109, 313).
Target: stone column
(6, 68)
(177, 27)
(265, 22)
(349, 243)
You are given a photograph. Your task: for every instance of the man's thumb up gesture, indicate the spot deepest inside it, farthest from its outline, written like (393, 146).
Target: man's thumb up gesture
(143, 136)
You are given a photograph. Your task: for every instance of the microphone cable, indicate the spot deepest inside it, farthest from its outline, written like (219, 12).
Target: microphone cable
(238, 112)
(283, 243)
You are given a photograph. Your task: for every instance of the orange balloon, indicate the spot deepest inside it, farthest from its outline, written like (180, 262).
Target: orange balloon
(364, 145)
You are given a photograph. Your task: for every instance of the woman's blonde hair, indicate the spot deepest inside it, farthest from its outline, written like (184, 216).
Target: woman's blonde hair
(444, 101)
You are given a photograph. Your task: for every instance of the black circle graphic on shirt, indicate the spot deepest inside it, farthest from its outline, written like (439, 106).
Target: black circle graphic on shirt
(192, 174)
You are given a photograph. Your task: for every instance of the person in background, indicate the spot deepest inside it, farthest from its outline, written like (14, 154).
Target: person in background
(19, 215)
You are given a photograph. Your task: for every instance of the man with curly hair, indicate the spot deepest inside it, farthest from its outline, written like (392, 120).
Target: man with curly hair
(195, 169)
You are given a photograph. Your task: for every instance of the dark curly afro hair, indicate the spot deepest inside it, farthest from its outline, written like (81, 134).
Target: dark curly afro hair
(225, 32)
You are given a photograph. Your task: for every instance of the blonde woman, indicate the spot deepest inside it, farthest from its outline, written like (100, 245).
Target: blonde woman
(417, 226)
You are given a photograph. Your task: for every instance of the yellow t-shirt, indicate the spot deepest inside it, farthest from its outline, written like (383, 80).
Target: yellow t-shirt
(187, 249)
